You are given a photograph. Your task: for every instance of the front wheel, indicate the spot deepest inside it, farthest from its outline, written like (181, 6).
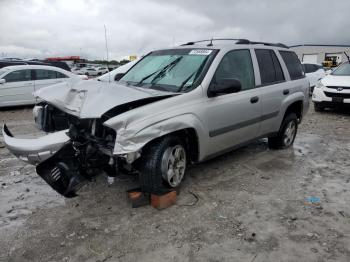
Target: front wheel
(286, 135)
(163, 165)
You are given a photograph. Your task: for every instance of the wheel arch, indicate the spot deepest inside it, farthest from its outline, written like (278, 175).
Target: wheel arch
(189, 137)
(188, 127)
(295, 107)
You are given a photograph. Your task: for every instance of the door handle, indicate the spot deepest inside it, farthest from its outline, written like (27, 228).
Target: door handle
(286, 91)
(254, 99)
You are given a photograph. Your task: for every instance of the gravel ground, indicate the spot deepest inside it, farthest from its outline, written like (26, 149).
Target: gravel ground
(254, 204)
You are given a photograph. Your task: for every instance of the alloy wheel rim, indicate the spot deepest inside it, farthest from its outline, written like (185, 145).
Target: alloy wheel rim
(289, 133)
(174, 165)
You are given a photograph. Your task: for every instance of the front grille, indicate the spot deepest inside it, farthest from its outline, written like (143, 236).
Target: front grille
(336, 87)
(342, 95)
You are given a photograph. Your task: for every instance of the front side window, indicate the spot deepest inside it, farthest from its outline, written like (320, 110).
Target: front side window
(173, 70)
(342, 70)
(18, 76)
(293, 64)
(269, 66)
(237, 64)
(42, 74)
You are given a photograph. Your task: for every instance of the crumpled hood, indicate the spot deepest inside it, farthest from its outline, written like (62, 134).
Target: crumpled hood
(91, 98)
(334, 80)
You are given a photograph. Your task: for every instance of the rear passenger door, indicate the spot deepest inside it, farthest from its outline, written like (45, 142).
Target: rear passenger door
(234, 118)
(288, 79)
(273, 87)
(44, 78)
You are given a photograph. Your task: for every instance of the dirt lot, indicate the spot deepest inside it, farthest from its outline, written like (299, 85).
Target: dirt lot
(254, 205)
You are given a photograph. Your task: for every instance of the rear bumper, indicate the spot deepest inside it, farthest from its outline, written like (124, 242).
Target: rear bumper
(36, 150)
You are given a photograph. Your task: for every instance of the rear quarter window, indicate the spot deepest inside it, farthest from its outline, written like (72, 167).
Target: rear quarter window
(293, 64)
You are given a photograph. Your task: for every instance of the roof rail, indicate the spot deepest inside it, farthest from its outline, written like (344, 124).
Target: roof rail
(210, 40)
(239, 41)
(247, 42)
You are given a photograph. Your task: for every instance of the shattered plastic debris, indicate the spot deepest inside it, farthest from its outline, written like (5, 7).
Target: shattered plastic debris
(313, 200)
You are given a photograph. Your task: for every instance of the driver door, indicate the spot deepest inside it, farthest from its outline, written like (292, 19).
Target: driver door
(234, 118)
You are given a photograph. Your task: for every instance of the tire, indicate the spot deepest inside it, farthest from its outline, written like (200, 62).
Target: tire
(318, 107)
(87, 74)
(286, 135)
(155, 164)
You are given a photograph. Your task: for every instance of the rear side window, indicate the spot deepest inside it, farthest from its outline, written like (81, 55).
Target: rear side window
(293, 64)
(42, 74)
(269, 66)
(18, 76)
(237, 64)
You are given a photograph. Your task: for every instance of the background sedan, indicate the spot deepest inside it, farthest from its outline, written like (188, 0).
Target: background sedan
(17, 83)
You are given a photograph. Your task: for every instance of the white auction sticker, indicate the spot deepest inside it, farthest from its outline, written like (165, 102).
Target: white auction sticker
(200, 52)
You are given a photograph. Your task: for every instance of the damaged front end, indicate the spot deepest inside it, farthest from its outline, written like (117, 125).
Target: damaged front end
(67, 158)
(79, 145)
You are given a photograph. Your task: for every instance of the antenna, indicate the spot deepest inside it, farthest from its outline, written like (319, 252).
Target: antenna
(211, 42)
(109, 74)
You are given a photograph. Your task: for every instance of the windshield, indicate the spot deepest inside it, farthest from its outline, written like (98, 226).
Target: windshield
(174, 70)
(3, 70)
(342, 70)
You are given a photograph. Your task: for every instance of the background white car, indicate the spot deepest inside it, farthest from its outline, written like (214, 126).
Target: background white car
(95, 71)
(17, 83)
(313, 73)
(333, 89)
(110, 76)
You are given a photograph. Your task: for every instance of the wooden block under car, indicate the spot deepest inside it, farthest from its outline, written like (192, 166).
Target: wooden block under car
(163, 201)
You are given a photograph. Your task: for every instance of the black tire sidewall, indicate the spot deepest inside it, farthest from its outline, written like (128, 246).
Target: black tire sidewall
(286, 121)
(150, 166)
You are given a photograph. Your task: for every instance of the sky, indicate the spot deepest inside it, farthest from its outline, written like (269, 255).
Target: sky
(46, 28)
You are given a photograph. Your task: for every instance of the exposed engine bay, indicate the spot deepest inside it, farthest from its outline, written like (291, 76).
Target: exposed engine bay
(88, 152)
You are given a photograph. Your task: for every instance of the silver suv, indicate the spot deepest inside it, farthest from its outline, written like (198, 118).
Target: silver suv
(172, 108)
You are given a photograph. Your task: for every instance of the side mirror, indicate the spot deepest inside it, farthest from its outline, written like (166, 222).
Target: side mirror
(118, 76)
(224, 86)
(2, 81)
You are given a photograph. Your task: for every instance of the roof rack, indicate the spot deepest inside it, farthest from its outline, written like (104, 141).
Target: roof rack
(239, 42)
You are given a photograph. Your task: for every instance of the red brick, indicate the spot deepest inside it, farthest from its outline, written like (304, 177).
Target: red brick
(163, 201)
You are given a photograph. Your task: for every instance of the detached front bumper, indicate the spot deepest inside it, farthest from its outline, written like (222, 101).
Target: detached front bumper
(36, 150)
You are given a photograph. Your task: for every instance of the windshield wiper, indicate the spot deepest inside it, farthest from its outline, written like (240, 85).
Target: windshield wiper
(186, 80)
(194, 73)
(161, 71)
(170, 66)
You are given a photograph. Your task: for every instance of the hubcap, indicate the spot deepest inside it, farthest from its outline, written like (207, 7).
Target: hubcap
(289, 133)
(174, 165)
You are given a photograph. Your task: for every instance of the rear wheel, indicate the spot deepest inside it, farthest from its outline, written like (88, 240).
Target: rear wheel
(163, 165)
(318, 107)
(286, 135)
